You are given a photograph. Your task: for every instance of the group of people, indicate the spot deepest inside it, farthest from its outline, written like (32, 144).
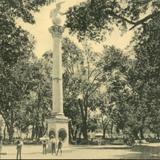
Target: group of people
(53, 145)
(45, 143)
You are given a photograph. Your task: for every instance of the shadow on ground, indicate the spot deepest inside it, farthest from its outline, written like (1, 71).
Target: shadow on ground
(143, 151)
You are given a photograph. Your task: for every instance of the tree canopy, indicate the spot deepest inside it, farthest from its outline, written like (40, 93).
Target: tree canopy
(96, 17)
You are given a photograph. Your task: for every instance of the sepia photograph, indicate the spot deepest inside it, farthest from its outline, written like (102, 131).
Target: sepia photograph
(79, 79)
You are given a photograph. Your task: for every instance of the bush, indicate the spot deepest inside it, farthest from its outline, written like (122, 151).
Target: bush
(31, 142)
(83, 142)
(118, 141)
(153, 140)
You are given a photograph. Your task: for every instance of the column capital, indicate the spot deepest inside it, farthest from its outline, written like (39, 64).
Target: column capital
(56, 31)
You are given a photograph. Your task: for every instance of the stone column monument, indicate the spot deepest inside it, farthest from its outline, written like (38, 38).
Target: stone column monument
(57, 123)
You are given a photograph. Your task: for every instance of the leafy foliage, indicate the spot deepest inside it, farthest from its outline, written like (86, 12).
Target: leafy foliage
(82, 80)
(16, 51)
(13, 9)
(95, 17)
(146, 73)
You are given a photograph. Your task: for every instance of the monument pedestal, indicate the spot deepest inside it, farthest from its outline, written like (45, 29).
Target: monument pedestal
(58, 126)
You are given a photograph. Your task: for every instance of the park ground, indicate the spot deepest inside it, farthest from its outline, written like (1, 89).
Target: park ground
(145, 151)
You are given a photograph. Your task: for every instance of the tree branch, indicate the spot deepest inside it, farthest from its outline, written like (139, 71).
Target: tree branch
(143, 20)
(135, 24)
(93, 90)
(120, 17)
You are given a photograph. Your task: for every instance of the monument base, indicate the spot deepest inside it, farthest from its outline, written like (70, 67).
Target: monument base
(58, 127)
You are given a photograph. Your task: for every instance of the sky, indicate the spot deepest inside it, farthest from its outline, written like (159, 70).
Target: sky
(44, 40)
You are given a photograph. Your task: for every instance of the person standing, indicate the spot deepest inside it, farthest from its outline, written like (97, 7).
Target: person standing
(53, 144)
(60, 144)
(19, 149)
(44, 143)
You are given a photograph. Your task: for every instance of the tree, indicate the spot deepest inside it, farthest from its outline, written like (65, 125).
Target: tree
(94, 17)
(16, 47)
(11, 92)
(72, 57)
(146, 74)
(82, 80)
(103, 114)
(36, 105)
(119, 92)
(21, 9)
(101, 16)
(15, 41)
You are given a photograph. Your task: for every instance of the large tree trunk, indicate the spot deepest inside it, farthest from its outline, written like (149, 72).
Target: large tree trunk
(70, 132)
(135, 134)
(84, 129)
(42, 130)
(111, 131)
(36, 131)
(4, 133)
(83, 110)
(104, 132)
(10, 131)
(75, 133)
(33, 132)
(10, 128)
(141, 133)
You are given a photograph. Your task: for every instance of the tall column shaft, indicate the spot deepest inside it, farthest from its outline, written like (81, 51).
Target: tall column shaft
(57, 88)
